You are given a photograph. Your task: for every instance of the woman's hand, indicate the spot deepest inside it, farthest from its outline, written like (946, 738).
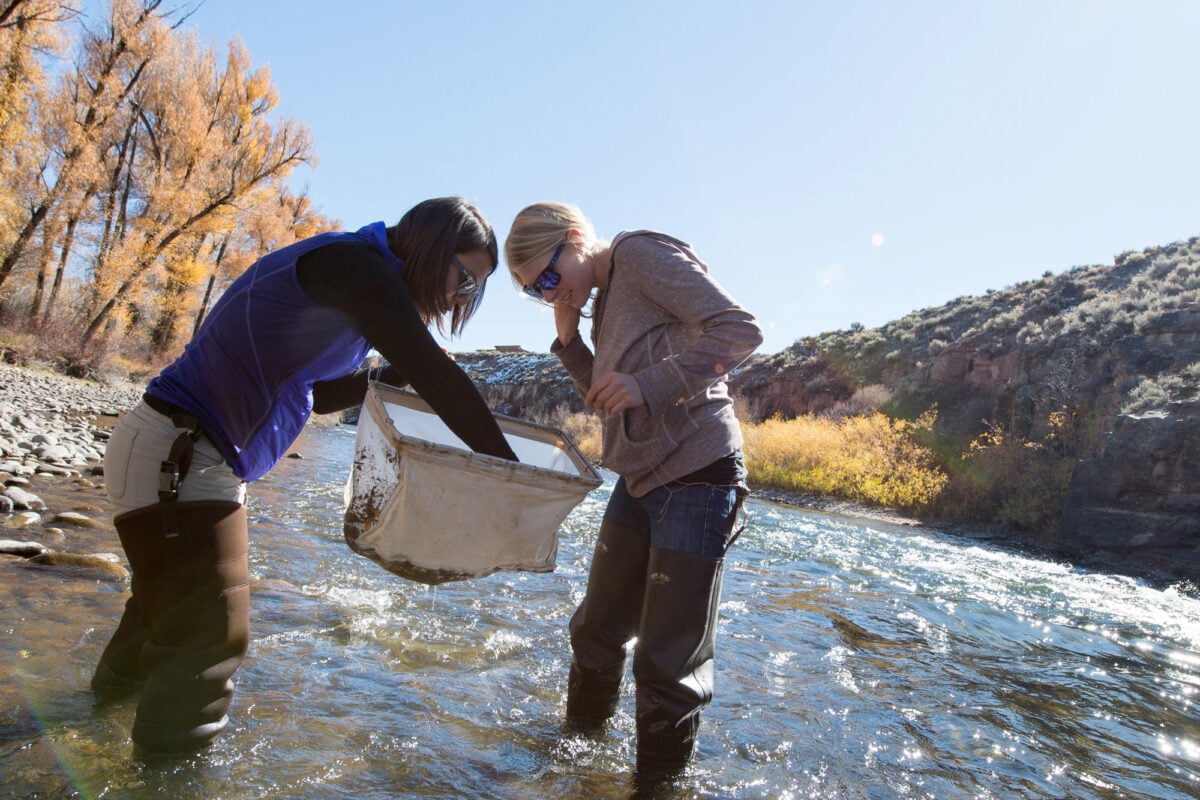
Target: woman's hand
(566, 322)
(614, 393)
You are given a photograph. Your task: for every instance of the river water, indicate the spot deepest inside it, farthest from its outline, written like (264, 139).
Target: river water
(856, 659)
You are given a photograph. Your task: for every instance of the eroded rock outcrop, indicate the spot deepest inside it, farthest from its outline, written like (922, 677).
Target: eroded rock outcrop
(1140, 499)
(529, 386)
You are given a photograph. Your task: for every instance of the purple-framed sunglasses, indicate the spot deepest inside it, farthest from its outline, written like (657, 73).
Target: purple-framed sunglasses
(548, 279)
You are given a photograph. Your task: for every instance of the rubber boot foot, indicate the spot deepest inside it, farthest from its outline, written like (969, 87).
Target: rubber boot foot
(584, 726)
(110, 687)
(151, 758)
(656, 784)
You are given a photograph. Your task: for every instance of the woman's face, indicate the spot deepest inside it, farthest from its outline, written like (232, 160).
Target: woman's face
(465, 277)
(575, 282)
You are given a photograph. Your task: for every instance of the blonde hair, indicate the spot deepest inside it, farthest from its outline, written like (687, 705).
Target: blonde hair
(540, 228)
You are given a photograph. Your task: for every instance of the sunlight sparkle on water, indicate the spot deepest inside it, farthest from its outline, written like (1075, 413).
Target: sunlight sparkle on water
(854, 660)
(377, 600)
(1182, 748)
(778, 659)
(1185, 659)
(500, 643)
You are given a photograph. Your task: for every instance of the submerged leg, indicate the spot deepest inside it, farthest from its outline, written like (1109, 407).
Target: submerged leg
(604, 622)
(673, 664)
(119, 672)
(192, 595)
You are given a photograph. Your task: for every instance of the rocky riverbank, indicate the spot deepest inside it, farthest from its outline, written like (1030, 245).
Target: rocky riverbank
(53, 430)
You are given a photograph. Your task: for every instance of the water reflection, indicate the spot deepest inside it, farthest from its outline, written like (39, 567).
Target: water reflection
(855, 660)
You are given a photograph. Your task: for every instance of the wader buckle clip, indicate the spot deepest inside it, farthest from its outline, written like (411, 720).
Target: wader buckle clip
(175, 468)
(168, 481)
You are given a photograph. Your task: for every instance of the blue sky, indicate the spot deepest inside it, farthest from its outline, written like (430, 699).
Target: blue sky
(833, 162)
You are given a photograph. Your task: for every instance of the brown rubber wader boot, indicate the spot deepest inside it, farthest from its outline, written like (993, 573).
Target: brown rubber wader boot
(187, 626)
(119, 673)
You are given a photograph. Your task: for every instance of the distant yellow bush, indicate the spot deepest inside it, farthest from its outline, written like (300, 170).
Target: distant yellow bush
(870, 458)
(583, 429)
(1019, 482)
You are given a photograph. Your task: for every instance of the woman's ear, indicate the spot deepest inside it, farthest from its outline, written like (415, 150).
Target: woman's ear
(576, 239)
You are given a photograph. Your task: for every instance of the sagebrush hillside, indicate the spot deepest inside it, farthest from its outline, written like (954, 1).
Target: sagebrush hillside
(1095, 341)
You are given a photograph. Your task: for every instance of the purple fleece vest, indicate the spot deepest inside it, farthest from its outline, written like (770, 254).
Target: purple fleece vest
(248, 373)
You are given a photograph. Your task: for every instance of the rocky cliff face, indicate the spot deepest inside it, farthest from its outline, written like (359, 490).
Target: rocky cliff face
(529, 386)
(978, 377)
(1139, 499)
(1117, 347)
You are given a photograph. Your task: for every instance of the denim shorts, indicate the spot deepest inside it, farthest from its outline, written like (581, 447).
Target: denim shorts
(691, 519)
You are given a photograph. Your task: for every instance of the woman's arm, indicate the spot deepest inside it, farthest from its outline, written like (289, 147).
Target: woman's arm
(348, 391)
(577, 360)
(357, 281)
(669, 273)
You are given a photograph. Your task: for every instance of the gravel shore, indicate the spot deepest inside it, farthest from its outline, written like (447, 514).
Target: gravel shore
(53, 431)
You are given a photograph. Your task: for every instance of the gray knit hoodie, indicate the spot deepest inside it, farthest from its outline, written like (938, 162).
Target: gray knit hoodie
(665, 321)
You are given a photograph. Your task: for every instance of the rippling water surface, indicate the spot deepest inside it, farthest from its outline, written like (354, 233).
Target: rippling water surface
(855, 660)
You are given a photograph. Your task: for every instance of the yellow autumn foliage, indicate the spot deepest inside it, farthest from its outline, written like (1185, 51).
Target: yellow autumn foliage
(871, 458)
(583, 429)
(1013, 480)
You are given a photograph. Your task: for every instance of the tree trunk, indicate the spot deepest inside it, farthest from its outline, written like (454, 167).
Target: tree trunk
(96, 323)
(63, 256)
(212, 282)
(43, 272)
(18, 246)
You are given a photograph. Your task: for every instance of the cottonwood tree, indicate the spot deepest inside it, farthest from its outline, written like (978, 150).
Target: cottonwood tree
(146, 179)
(30, 31)
(203, 142)
(110, 65)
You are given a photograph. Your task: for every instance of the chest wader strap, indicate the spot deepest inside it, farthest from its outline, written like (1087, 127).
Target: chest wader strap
(174, 469)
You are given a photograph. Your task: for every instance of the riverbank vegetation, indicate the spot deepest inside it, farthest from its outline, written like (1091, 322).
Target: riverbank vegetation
(869, 458)
(877, 460)
(1028, 381)
(140, 173)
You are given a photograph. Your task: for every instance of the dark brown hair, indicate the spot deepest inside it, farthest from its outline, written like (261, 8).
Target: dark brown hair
(427, 239)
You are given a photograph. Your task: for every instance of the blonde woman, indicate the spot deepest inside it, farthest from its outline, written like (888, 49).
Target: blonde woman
(664, 337)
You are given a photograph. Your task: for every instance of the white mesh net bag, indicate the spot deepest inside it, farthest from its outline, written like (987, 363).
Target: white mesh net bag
(423, 506)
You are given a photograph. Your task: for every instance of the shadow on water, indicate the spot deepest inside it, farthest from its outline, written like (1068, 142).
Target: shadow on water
(855, 660)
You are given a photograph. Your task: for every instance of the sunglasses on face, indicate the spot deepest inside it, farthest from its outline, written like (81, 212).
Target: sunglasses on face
(548, 279)
(470, 286)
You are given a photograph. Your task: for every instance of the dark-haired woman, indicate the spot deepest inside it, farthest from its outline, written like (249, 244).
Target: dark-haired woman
(284, 340)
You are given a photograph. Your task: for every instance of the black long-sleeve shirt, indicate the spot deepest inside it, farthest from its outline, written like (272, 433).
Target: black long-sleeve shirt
(358, 281)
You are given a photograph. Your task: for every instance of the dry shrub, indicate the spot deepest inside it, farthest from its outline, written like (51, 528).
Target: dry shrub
(583, 429)
(1013, 481)
(865, 400)
(60, 345)
(870, 458)
(18, 348)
